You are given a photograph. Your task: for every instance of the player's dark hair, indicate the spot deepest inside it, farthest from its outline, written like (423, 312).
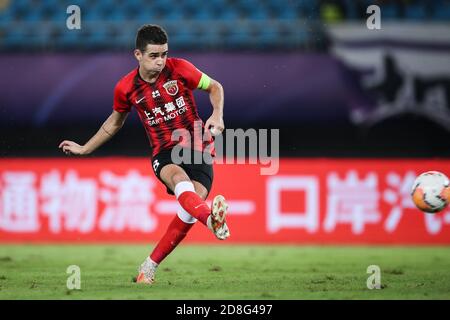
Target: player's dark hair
(150, 34)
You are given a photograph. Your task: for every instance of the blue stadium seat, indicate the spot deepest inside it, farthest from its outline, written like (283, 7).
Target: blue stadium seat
(259, 13)
(118, 15)
(307, 9)
(441, 10)
(209, 37)
(286, 14)
(71, 39)
(164, 6)
(96, 39)
(352, 10)
(390, 11)
(236, 40)
(268, 36)
(16, 36)
(185, 41)
(202, 13)
(93, 14)
(174, 14)
(6, 16)
(230, 14)
(416, 12)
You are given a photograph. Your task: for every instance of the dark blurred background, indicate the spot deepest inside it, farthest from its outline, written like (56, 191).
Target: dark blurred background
(312, 69)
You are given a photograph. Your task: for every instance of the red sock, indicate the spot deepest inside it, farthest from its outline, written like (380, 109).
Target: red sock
(192, 203)
(176, 232)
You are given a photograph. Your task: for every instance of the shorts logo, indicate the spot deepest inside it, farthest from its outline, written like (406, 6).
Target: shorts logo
(155, 164)
(171, 87)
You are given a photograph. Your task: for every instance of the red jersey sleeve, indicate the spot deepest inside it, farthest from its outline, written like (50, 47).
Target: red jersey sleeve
(189, 72)
(121, 103)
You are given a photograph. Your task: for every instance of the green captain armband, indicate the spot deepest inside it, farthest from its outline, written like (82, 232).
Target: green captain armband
(204, 82)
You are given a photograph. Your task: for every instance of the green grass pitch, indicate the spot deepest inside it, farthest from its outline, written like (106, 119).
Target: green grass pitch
(226, 272)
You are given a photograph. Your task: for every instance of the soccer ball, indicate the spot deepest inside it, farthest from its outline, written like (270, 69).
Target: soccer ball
(431, 192)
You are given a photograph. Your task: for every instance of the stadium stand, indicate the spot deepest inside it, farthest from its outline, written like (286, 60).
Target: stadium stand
(212, 24)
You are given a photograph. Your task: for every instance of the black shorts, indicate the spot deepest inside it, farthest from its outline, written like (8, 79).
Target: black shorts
(200, 172)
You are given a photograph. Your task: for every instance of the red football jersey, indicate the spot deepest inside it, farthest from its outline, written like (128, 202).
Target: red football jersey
(164, 106)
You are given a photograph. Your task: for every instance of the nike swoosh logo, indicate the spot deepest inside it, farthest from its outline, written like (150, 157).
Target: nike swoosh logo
(199, 206)
(137, 101)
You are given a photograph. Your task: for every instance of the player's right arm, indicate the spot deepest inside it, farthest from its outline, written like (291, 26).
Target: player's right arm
(108, 129)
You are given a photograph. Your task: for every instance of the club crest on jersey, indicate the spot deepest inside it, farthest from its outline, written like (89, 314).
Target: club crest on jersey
(171, 87)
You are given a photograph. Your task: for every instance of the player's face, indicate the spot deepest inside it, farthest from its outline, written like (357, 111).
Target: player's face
(153, 59)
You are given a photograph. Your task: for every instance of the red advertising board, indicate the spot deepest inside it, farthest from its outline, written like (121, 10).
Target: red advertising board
(309, 201)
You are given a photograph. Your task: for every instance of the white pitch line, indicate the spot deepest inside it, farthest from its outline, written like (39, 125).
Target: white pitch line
(235, 207)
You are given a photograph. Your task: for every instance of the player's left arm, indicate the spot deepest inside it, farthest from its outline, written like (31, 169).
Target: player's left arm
(216, 96)
(196, 79)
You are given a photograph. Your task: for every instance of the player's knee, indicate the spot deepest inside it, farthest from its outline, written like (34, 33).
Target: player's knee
(203, 194)
(179, 177)
(201, 190)
(183, 186)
